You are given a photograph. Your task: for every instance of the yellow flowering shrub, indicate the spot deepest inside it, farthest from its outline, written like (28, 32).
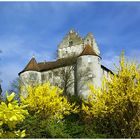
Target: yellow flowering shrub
(116, 106)
(47, 101)
(10, 115)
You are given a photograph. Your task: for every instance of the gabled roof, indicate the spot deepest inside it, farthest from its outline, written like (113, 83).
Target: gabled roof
(88, 50)
(56, 64)
(32, 65)
(44, 66)
(71, 36)
(105, 68)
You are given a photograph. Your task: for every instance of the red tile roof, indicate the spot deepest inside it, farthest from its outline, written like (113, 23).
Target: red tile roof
(44, 66)
(32, 65)
(88, 50)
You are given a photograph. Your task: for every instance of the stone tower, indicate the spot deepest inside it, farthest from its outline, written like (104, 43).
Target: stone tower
(77, 65)
(30, 76)
(88, 70)
(90, 40)
(71, 45)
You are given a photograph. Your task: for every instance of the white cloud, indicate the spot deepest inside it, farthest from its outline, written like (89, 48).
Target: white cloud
(9, 73)
(110, 59)
(15, 56)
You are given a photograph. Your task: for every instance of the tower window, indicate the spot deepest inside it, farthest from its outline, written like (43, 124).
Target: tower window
(70, 43)
(43, 77)
(88, 41)
(98, 60)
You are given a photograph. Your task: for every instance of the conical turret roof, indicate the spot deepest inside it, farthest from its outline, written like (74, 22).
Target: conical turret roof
(32, 65)
(88, 50)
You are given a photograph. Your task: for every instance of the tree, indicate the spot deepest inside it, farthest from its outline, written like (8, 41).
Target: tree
(115, 108)
(69, 78)
(15, 87)
(67, 75)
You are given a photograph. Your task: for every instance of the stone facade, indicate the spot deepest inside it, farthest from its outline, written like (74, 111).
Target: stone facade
(78, 64)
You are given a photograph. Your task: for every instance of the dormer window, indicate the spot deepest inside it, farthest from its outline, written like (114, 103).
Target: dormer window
(70, 43)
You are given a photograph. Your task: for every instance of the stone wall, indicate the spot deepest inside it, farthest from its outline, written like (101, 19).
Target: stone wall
(29, 78)
(59, 77)
(88, 72)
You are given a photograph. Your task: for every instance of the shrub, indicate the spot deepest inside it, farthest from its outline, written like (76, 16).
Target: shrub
(77, 128)
(116, 106)
(37, 127)
(11, 113)
(47, 107)
(47, 101)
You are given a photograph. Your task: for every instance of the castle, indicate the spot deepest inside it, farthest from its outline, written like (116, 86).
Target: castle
(78, 63)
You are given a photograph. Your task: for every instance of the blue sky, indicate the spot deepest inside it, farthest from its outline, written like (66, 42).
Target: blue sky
(28, 28)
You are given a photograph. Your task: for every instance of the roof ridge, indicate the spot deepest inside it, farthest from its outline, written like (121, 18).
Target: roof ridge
(32, 65)
(88, 50)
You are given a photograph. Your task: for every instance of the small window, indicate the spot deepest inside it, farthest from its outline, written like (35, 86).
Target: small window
(90, 76)
(43, 77)
(55, 73)
(50, 75)
(98, 60)
(33, 76)
(70, 43)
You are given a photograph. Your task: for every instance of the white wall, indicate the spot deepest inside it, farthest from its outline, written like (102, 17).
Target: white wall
(89, 68)
(70, 51)
(55, 77)
(29, 78)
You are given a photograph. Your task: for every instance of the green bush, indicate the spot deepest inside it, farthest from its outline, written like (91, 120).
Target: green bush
(37, 127)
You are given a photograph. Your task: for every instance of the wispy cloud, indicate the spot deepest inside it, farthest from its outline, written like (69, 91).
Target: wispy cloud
(37, 28)
(14, 57)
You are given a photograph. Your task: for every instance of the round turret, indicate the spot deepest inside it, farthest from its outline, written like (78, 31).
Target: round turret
(30, 76)
(88, 71)
(90, 40)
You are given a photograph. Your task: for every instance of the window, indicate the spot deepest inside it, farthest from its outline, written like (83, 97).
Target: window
(50, 75)
(90, 76)
(43, 77)
(98, 60)
(55, 73)
(70, 43)
(33, 76)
